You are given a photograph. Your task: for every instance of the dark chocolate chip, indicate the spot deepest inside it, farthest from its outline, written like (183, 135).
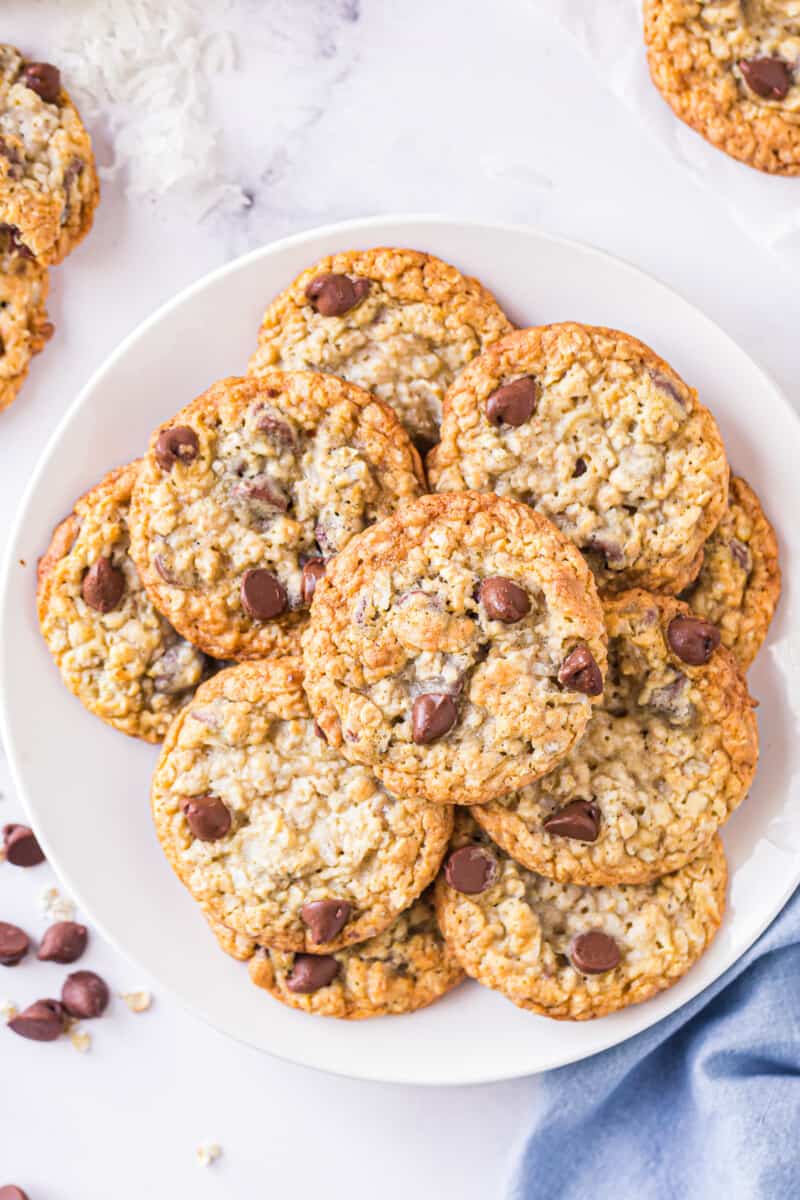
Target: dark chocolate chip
(312, 972)
(262, 492)
(263, 596)
(504, 600)
(11, 1192)
(313, 571)
(17, 245)
(580, 819)
(332, 294)
(580, 673)
(692, 640)
(278, 431)
(103, 586)
(85, 995)
(325, 919)
(63, 942)
(42, 1021)
(207, 817)
(21, 846)
(177, 444)
(669, 386)
(513, 403)
(44, 79)
(14, 944)
(594, 953)
(580, 468)
(432, 716)
(769, 78)
(471, 870)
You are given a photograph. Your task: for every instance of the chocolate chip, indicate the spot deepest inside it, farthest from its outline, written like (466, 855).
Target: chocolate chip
(103, 586)
(669, 386)
(312, 972)
(610, 552)
(580, 673)
(85, 995)
(278, 431)
(503, 600)
(178, 444)
(14, 944)
(741, 553)
(21, 846)
(594, 953)
(262, 493)
(44, 79)
(207, 817)
(63, 942)
(313, 571)
(432, 715)
(11, 1192)
(325, 919)
(580, 819)
(471, 870)
(580, 468)
(513, 403)
(42, 1021)
(263, 596)
(332, 295)
(692, 640)
(319, 731)
(769, 78)
(179, 668)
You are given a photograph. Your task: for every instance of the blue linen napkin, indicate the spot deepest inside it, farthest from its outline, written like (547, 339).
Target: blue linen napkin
(703, 1106)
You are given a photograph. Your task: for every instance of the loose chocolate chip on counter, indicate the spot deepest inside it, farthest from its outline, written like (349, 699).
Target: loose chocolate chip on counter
(63, 942)
(263, 596)
(504, 600)
(44, 79)
(178, 444)
(42, 1021)
(432, 716)
(312, 972)
(580, 468)
(103, 586)
(594, 953)
(14, 944)
(692, 640)
(313, 571)
(325, 919)
(85, 995)
(769, 78)
(580, 819)
(333, 295)
(513, 403)
(10, 1191)
(471, 870)
(207, 817)
(21, 846)
(580, 673)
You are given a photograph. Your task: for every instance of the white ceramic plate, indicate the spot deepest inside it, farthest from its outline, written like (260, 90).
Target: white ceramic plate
(86, 787)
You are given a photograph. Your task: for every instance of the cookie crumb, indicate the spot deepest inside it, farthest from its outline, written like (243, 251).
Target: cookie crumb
(8, 1010)
(208, 1153)
(137, 1002)
(55, 906)
(80, 1040)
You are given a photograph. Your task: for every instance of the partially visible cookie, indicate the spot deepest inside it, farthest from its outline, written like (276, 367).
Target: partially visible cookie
(456, 648)
(273, 833)
(740, 581)
(247, 492)
(24, 327)
(574, 952)
(397, 322)
(48, 182)
(729, 68)
(119, 656)
(402, 969)
(599, 434)
(668, 755)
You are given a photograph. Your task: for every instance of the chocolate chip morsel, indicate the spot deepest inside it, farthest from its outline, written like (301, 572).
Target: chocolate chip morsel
(85, 995)
(692, 640)
(513, 403)
(332, 295)
(44, 79)
(471, 870)
(11, 1192)
(594, 953)
(14, 944)
(63, 942)
(504, 600)
(769, 78)
(313, 570)
(42, 1021)
(263, 596)
(312, 972)
(580, 673)
(580, 819)
(103, 586)
(432, 716)
(21, 846)
(325, 919)
(178, 444)
(207, 817)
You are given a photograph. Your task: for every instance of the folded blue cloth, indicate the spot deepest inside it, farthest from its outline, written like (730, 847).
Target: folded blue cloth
(703, 1106)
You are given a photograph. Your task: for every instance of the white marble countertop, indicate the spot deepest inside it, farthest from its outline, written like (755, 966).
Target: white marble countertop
(342, 108)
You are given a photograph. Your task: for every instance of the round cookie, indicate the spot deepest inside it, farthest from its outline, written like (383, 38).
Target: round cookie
(406, 967)
(24, 327)
(574, 952)
(397, 322)
(247, 492)
(740, 581)
(729, 69)
(273, 833)
(119, 656)
(457, 648)
(668, 755)
(599, 434)
(48, 182)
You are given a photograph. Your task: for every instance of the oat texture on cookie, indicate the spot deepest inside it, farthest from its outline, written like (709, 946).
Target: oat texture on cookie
(574, 952)
(115, 652)
(24, 327)
(249, 490)
(600, 435)
(398, 322)
(274, 834)
(668, 755)
(457, 648)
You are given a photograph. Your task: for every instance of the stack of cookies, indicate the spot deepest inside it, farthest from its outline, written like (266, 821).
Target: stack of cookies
(484, 718)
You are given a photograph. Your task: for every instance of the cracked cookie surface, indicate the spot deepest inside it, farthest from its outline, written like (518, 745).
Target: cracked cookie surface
(573, 952)
(247, 492)
(115, 652)
(457, 648)
(24, 327)
(668, 755)
(273, 833)
(412, 324)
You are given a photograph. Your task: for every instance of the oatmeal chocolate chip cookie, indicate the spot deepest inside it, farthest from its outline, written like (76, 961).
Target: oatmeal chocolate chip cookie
(668, 755)
(740, 581)
(399, 323)
(247, 493)
(599, 434)
(456, 648)
(119, 656)
(236, 945)
(731, 70)
(24, 327)
(48, 182)
(575, 952)
(273, 833)
(406, 967)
